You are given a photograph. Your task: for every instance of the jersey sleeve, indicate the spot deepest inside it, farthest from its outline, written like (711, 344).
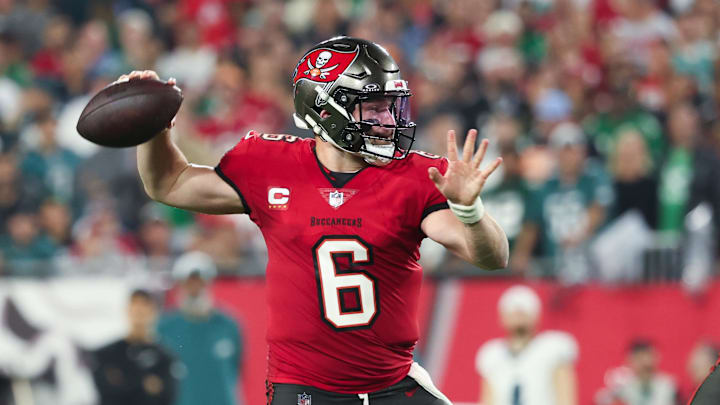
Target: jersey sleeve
(560, 347)
(479, 358)
(434, 200)
(239, 166)
(484, 357)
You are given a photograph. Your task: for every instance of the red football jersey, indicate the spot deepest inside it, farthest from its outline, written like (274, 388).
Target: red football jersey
(342, 277)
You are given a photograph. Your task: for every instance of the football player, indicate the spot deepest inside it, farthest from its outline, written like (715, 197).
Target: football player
(343, 215)
(525, 366)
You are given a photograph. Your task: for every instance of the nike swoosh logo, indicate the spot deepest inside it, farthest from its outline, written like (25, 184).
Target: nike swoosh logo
(411, 392)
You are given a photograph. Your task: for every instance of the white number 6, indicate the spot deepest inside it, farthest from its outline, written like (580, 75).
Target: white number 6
(334, 283)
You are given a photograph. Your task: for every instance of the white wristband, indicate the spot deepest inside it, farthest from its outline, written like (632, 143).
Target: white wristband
(468, 214)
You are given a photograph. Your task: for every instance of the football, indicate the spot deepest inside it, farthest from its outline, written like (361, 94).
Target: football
(129, 113)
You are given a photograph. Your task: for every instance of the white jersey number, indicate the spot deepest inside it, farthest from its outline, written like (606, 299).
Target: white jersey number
(337, 286)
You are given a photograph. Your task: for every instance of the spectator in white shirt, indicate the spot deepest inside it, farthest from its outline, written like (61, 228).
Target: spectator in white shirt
(640, 382)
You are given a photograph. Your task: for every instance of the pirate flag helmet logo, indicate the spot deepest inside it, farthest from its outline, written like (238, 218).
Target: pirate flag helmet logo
(324, 65)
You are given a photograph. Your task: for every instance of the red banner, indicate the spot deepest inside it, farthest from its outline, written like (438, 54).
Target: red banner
(602, 319)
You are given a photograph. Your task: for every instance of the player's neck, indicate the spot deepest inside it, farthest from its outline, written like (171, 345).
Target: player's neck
(518, 343)
(337, 160)
(138, 336)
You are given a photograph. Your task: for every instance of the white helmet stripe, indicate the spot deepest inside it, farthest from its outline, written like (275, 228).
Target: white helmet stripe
(324, 96)
(299, 122)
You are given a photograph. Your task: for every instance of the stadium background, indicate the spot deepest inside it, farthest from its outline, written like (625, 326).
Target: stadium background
(78, 231)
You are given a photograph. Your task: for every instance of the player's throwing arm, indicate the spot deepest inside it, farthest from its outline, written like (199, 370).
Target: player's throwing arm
(169, 178)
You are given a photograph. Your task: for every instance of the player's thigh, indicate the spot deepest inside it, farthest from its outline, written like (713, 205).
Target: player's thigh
(419, 397)
(291, 394)
(408, 394)
(709, 392)
(412, 394)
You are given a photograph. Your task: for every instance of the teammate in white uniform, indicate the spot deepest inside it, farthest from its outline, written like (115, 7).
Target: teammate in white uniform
(525, 368)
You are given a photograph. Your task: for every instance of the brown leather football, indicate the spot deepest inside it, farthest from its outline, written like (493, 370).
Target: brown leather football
(129, 113)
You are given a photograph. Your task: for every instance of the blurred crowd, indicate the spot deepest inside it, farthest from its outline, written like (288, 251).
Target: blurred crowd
(605, 112)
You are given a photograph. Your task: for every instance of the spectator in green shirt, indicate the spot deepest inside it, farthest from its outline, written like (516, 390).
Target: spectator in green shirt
(688, 175)
(695, 54)
(12, 64)
(623, 113)
(676, 172)
(507, 200)
(207, 342)
(566, 211)
(25, 251)
(50, 165)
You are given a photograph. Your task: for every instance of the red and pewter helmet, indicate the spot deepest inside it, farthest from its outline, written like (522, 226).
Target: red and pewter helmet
(338, 75)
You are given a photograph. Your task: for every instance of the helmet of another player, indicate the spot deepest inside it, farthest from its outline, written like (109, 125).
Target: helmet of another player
(349, 92)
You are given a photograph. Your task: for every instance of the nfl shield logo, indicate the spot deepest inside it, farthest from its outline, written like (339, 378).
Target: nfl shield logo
(304, 399)
(336, 199)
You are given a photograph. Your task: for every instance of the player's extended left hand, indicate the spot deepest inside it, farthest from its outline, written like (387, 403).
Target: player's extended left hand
(463, 181)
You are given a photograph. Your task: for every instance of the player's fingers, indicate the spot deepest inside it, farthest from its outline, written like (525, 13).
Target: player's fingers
(452, 152)
(150, 74)
(171, 81)
(435, 176)
(490, 169)
(480, 155)
(469, 146)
